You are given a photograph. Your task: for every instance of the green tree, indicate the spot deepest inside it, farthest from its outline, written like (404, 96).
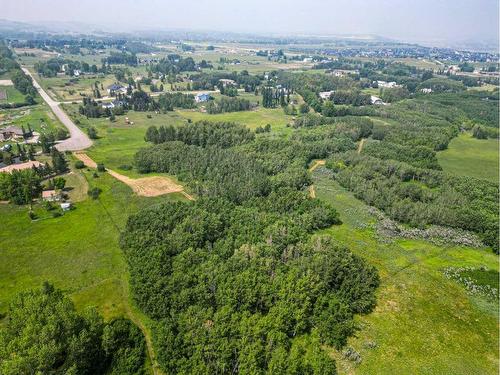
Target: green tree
(59, 162)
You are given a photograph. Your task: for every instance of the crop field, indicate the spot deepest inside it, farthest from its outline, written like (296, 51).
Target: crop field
(473, 157)
(420, 314)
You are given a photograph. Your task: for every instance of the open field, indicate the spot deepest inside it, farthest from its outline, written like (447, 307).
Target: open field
(420, 314)
(469, 156)
(118, 142)
(252, 119)
(9, 94)
(78, 252)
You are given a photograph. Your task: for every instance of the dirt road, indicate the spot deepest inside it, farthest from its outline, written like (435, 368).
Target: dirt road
(77, 140)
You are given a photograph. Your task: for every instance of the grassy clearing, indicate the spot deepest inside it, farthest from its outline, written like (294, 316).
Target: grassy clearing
(423, 323)
(252, 119)
(468, 156)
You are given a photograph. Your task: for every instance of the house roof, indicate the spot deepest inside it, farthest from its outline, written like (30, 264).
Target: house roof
(12, 129)
(48, 193)
(20, 166)
(114, 87)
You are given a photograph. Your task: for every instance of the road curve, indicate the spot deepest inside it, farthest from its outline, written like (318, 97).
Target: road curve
(77, 140)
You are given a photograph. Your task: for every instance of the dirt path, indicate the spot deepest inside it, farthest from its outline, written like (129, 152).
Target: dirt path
(361, 144)
(317, 164)
(77, 140)
(147, 186)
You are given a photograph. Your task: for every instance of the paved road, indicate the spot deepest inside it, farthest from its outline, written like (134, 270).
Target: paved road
(78, 140)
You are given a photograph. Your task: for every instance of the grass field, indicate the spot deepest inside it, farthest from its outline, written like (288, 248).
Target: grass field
(252, 119)
(468, 156)
(423, 322)
(118, 142)
(78, 252)
(12, 95)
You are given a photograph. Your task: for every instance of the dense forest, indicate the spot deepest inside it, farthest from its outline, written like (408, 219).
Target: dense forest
(244, 286)
(44, 334)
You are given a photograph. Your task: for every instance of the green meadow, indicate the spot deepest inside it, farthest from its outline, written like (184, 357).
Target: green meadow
(77, 252)
(420, 315)
(473, 157)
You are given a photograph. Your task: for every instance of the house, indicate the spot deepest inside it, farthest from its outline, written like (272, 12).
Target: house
(50, 195)
(109, 105)
(227, 82)
(325, 95)
(66, 206)
(387, 85)
(11, 132)
(116, 88)
(426, 90)
(376, 100)
(203, 97)
(21, 166)
(77, 73)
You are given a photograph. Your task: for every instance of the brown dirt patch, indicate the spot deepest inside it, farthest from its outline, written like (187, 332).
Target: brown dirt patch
(147, 186)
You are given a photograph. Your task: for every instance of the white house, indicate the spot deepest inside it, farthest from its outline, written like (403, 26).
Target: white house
(376, 100)
(202, 97)
(426, 90)
(325, 95)
(387, 85)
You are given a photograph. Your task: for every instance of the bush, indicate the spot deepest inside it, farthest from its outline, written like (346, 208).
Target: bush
(94, 192)
(32, 215)
(79, 164)
(125, 167)
(100, 167)
(56, 214)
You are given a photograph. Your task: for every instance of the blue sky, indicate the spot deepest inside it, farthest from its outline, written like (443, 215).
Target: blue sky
(411, 20)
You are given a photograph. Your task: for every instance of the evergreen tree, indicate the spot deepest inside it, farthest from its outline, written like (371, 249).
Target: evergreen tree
(59, 162)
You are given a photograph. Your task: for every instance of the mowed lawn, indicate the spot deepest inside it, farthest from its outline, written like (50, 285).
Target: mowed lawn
(423, 322)
(78, 252)
(468, 156)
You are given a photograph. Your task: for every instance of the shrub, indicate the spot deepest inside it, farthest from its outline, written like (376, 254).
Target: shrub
(94, 192)
(79, 164)
(100, 167)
